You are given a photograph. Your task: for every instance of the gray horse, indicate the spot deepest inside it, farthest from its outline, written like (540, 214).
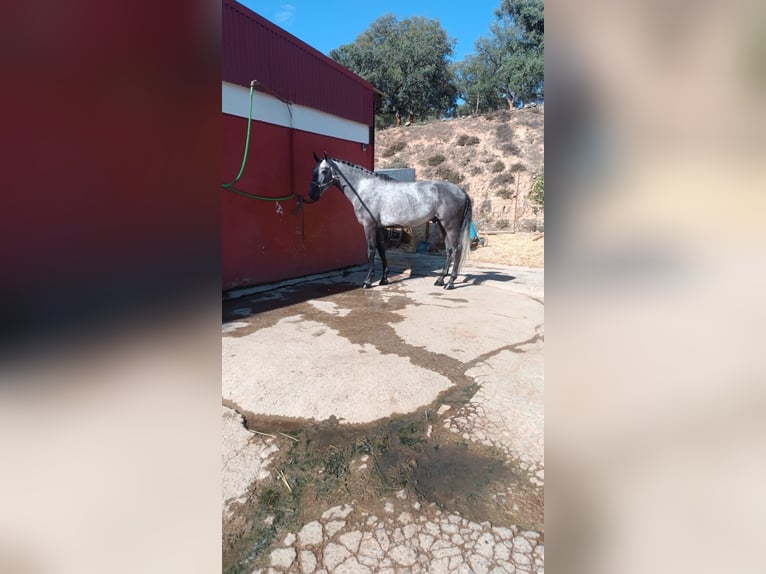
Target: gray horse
(380, 202)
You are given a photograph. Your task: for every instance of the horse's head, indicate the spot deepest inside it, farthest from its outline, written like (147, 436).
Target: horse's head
(324, 177)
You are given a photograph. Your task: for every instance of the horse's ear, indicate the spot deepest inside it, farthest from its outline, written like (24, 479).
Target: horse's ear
(316, 159)
(325, 155)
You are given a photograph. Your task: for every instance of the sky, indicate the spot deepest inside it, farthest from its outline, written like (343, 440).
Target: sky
(328, 24)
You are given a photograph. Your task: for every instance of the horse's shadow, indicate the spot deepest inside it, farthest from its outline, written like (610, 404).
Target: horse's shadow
(430, 266)
(237, 308)
(479, 278)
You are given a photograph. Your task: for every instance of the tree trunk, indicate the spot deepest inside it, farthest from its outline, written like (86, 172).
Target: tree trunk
(510, 103)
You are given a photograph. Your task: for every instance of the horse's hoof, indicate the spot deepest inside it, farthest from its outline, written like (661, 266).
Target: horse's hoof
(384, 282)
(449, 286)
(439, 282)
(366, 285)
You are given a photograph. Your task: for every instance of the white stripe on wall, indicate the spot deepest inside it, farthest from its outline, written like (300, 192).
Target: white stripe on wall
(235, 100)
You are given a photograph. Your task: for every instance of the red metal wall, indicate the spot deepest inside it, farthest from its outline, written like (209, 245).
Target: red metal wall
(264, 241)
(255, 49)
(261, 245)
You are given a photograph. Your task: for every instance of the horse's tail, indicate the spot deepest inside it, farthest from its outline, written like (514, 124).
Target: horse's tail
(465, 232)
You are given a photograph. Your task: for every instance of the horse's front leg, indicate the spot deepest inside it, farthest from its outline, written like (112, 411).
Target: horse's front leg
(381, 245)
(371, 244)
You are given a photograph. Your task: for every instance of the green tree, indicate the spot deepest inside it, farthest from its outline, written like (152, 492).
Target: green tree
(509, 63)
(476, 85)
(521, 30)
(407, 61)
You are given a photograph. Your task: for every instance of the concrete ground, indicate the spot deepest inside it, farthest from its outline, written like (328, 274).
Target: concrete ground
(461, 369)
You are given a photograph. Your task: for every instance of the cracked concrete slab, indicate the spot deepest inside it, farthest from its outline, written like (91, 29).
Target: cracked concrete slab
(434, 541)
(304, 369)
(246, 458)
(508, 410)
(330, 351)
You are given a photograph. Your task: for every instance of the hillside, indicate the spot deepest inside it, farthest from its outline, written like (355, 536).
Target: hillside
(493, 157)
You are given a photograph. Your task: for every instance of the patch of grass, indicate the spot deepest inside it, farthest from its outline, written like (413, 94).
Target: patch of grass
(502, 223)
(505, 193)
(517, 167)
(412, 434)
(335, 464)
(498, 166)
(436, 159)
(465, 140)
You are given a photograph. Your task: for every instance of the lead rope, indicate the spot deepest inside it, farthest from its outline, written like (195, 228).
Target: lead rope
(339, 172)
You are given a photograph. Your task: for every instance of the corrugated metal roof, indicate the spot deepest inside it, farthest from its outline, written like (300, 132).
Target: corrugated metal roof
(286, 67)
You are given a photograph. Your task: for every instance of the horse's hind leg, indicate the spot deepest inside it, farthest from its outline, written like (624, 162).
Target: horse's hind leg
(440, 280)
(456, 262)
(455, 249)
(371, 245)
(381, 245)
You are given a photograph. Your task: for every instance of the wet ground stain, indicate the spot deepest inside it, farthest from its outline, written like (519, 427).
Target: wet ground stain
(314, 469)
(369, 319)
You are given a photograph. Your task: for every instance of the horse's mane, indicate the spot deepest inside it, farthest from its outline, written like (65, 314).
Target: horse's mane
(382, 176)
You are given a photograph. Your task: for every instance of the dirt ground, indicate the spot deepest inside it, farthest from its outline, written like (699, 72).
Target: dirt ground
(495, 158)
(524, 249)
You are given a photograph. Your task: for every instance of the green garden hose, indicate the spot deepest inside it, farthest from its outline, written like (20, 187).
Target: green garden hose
(230, 186)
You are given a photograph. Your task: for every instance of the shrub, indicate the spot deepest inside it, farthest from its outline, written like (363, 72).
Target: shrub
(445, 173)
(436, 159)
(503, 179)
(397, 162)
(510, 148)
(537, 195)
(498, 115)
(530, 225)
(498, 166)
(504, 132)
(505, 193)
(465, 139)
(394, 148)
(518, 166)
(502, 223)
